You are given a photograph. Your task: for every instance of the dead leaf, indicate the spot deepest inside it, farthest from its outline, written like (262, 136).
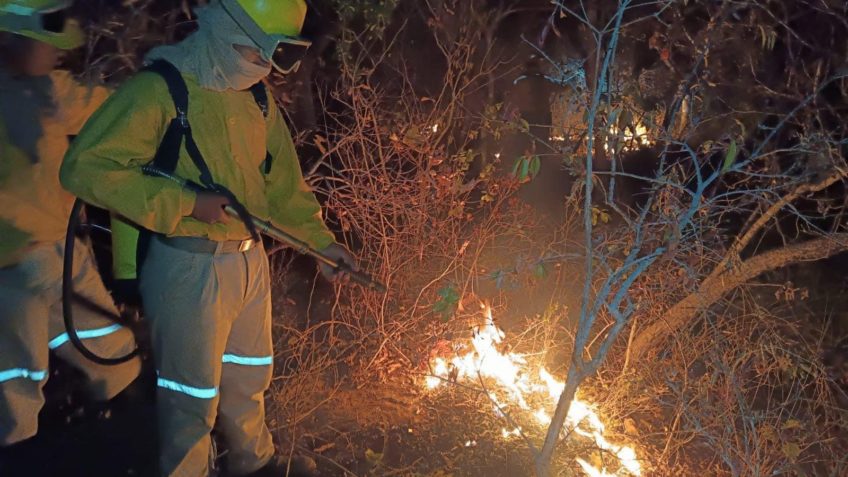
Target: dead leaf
(791, 424)
(769, 433)
(319, 142)
(325, 447)
(373, 458)
(791, 451)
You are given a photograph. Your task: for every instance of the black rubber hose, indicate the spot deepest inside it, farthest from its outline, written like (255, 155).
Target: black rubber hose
(68, 296)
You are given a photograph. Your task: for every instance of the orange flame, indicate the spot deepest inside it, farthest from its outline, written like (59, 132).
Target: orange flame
(512, 373)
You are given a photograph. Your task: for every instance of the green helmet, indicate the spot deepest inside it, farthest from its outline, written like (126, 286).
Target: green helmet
(42, 20)
(274, 25)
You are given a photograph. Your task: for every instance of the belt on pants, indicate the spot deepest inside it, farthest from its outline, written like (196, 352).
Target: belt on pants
(203, 245)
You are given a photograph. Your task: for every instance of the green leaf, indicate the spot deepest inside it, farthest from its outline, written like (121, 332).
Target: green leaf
(730, 158)
(535, 166)
(447, 302)
(525, 168)
(540, 271)
(448, 293)
(516, 166)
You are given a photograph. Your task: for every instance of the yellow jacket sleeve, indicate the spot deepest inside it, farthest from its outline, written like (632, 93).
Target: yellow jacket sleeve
(293, 206)
(76, 102)
(103, 165)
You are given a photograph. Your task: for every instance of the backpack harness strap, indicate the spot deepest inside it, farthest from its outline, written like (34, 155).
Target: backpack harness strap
(260, 95)
(168, 152)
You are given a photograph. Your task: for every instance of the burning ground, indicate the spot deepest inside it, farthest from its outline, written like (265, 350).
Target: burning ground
(472, 405)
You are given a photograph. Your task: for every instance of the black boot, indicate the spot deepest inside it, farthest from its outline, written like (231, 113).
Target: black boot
(299, 466)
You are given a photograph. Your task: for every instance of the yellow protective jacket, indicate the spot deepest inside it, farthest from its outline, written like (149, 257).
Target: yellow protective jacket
(36, 117)
(103, 166)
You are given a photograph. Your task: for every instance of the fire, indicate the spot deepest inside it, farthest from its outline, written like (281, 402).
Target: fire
(593, 471)
(534, 392)
(633, 137)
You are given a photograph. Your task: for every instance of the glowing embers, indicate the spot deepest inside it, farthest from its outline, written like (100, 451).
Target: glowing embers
(631, 138)
(513, 382)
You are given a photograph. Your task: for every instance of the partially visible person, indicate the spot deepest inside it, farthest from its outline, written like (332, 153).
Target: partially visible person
(40, 107)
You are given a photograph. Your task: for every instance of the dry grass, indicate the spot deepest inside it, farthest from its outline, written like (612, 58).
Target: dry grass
(742, 394)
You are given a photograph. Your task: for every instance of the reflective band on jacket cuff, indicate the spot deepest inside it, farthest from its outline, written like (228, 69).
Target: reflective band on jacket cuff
(95, 333)
(201, 393)
(248, 360)
(15, 373)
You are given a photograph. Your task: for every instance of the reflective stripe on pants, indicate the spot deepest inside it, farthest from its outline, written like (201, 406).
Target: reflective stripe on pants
(22, 373)
(211, 329)
(30, 313)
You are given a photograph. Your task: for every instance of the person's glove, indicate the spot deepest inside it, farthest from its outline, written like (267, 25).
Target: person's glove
(340, 254)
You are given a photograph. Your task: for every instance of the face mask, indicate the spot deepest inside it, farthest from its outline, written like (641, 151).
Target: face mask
(237, 72)
(209, 56)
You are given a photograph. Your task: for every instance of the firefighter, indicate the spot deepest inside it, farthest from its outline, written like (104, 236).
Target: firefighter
(39, 108)
(204, 281)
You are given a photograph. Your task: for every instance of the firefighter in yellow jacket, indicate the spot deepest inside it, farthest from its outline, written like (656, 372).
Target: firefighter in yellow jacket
(39, 108)
(205, 283)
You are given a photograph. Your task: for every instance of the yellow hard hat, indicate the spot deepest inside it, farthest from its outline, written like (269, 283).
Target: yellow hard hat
(42, 20)
(274, 25)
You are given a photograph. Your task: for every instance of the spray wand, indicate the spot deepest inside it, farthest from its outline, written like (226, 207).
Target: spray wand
(279, 235)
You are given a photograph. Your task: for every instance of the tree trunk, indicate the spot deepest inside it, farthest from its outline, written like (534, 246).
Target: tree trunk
(543, 460)
(719, 283)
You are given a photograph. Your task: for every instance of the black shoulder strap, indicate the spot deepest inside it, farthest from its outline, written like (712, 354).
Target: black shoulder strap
(175, 82)
(260, 95)
(168, 152)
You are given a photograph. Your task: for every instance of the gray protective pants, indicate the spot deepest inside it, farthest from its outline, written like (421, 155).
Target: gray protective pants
(31, 324)
(211, 326)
